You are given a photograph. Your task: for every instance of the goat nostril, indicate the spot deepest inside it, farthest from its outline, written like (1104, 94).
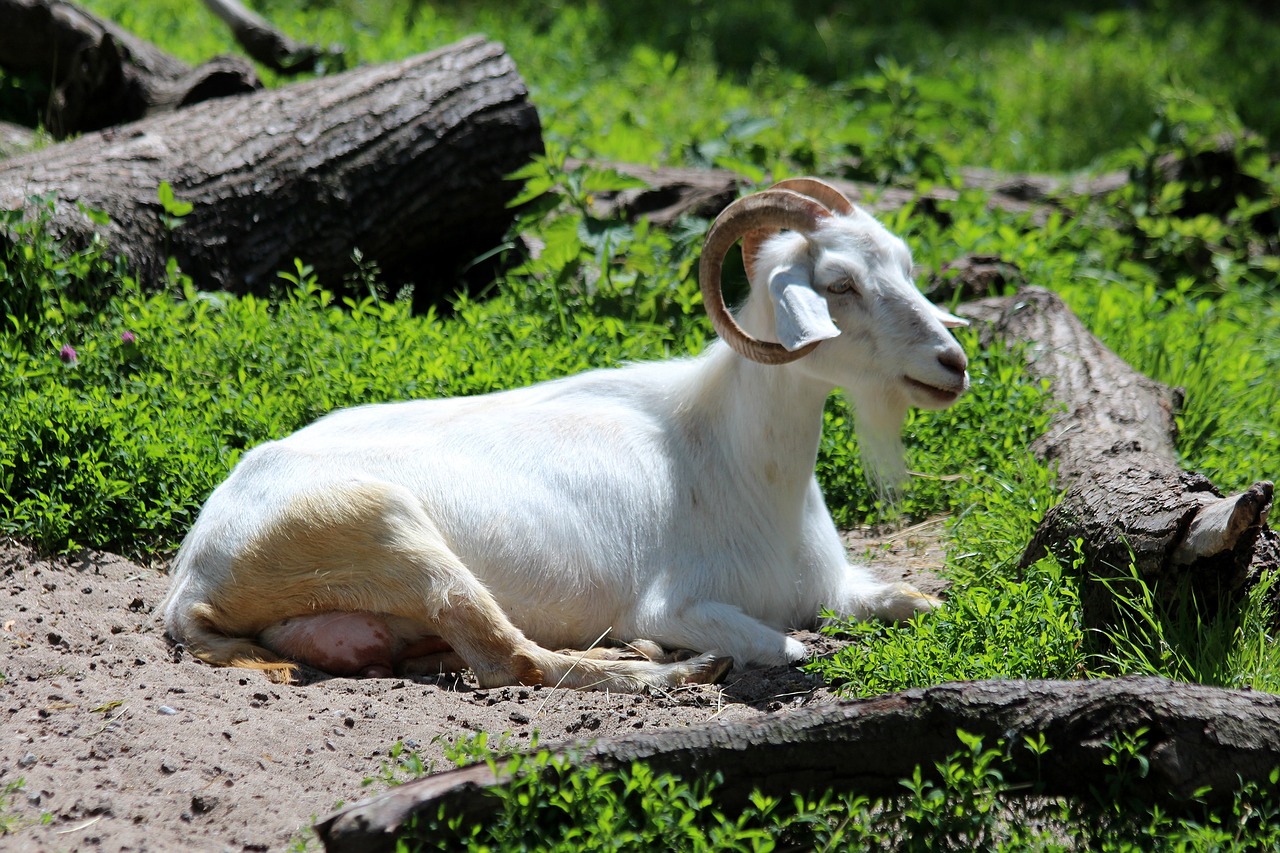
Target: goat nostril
(954, 360)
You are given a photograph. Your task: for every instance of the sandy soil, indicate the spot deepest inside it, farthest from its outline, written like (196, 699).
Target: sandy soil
(121, 743)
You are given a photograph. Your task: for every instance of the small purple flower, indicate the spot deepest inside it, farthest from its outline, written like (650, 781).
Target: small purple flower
(68, 354)
(128, 338)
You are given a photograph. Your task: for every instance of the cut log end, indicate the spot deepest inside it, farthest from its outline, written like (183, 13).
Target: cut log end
(1224, 524)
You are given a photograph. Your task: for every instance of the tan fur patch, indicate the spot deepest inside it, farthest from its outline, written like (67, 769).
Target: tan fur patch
(207, 642)
(367, 547)
(337, 550)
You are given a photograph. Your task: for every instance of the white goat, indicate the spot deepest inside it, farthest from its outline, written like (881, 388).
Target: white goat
(672, 501)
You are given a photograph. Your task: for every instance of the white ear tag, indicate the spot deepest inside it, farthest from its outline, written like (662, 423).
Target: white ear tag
(800, 313)
(951, 321)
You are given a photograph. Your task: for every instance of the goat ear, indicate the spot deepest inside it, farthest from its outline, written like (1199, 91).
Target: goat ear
(800, 313)
(951, 321)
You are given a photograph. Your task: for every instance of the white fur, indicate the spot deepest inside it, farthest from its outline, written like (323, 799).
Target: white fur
(674, 501)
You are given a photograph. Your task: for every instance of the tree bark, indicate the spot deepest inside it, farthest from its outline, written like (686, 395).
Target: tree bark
(405, 161)
(1196, 737)
(101, 74)
(1125, 494)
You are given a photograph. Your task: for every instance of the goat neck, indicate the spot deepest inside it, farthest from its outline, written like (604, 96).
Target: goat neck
(766, 418)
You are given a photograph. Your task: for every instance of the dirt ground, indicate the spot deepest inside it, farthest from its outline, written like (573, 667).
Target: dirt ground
(111, 739)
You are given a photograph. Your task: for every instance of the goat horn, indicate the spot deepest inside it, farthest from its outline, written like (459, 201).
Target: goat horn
(820, 191)
(770, 210)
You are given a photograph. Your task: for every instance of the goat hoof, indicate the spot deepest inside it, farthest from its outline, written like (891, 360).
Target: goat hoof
(905, 601)
(710, 668)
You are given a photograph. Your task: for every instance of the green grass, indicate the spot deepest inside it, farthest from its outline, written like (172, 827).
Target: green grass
(800, 86)
(1004, 627)
(118, 446)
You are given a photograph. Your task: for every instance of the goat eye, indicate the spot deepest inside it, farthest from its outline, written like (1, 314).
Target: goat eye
(844, 285)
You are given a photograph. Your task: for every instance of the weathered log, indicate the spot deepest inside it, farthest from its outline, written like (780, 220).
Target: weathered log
(101, 74)
(404, 161)
(15, 139)
(672, 192)
(1125, 494)
(1196, 737)
(269, 45)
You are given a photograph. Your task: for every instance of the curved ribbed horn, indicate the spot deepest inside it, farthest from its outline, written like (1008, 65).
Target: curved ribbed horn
(820, 191)
(770, 210)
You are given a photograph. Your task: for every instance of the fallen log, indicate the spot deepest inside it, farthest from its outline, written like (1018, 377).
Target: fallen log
(1125, 495)
(101, 74)
(270, 46)
(15, 139)
(405, 162)
(1196, 737)
(673, 192)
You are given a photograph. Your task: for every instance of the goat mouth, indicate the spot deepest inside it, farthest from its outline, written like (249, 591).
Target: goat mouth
(935, 393)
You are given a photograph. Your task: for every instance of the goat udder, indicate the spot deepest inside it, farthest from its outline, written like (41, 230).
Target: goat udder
(340, 643)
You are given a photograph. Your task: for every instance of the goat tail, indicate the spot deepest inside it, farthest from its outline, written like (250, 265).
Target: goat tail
(196, 629)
